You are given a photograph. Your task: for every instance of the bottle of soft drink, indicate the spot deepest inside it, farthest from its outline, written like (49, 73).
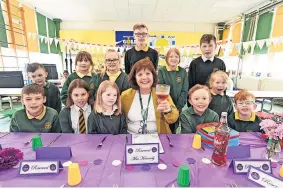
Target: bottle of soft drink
(221, 140)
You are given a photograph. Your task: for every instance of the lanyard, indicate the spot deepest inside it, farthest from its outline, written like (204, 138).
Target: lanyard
(144, 112)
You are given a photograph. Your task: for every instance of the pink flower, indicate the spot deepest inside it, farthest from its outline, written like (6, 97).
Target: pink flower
(273, 127)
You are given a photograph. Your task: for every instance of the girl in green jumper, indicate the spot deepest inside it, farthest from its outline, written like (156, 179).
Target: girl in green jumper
(84, 67)
(107, 118)
(112, 72)
(177, 78)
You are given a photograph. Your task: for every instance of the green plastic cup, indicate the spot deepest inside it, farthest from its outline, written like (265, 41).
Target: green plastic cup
(36, 142)
(183, 176)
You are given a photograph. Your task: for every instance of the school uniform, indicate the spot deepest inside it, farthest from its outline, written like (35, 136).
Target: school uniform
(251, 125)
(135, 54)
(120, 78)
(178, 81)
(221, 103)
(76, 75)
(46, 122)
(107, 123)
(52, 94)
(189, 120)
(70, 118)
(201, 68)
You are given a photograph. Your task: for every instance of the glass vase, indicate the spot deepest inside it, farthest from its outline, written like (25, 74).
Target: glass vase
(273, 149)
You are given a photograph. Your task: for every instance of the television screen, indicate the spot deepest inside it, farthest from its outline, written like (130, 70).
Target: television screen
(11, 79)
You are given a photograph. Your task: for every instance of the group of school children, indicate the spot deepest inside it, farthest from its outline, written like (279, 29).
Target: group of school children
(93, 105)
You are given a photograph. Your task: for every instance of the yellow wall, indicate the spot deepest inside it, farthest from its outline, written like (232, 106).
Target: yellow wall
(278, 29)
(108, 37)
(89, 36)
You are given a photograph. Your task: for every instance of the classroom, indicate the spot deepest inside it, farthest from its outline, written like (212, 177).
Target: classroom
(128, 93)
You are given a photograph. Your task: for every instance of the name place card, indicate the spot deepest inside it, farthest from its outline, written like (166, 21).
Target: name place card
(34, 167)
(137, 154)
(242, 166)
(263, 179)
(53, 153)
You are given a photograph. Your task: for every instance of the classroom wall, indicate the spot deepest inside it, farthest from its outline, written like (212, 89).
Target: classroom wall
(107, 37)
(128, 26)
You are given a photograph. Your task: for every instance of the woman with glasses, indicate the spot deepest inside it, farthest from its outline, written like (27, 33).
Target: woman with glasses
(145, 115)
(112, 72)
(141, 50)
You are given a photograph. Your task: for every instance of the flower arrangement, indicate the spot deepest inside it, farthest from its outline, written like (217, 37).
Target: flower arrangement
(273, 128)
(9, 157)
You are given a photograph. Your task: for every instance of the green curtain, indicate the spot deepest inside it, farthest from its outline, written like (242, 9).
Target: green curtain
(263, 31)
(52, 34)
(3, 34)
(42, 30)
(57, 23)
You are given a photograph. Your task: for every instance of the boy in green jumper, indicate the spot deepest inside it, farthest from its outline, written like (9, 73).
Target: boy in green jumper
(38, 74)
(35, 117)
(198, 113)
(244, 119)
(141, 50)
(177, 78)
(112, 72)
(84, 67)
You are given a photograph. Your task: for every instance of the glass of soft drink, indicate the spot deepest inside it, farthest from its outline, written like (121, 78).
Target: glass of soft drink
(162, 92)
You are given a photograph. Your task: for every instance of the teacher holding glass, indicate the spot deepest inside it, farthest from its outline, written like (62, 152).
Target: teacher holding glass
(145, 114)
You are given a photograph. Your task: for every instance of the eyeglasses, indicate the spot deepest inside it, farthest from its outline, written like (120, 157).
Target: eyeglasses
(143, 126)
(141, 34)
(112, 60)
(247, 103)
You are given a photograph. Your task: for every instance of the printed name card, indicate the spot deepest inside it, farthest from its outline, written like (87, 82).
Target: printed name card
(242, 166)
(264, 179)
(34, 167)
(142, 154)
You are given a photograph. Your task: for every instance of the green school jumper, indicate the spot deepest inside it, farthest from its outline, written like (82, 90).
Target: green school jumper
(121, 81)
(47, 122)
(88, 78)
(52, 94)
(189, 120)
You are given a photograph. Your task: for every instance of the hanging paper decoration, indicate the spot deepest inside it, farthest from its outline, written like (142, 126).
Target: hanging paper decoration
(41, 38)
(238, 47)
(56, 41)
(217, 49)
(246, 45)
(268, 42)
(260, 43)
(29, 35)
(50, 40)
(182, 49)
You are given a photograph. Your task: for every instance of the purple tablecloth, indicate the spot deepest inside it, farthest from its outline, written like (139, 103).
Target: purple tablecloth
(106, 175)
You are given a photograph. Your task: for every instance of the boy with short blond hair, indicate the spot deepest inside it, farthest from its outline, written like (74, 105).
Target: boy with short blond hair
(244, 119)
(35, 117)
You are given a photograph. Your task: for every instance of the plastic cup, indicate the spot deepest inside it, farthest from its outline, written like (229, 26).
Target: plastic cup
(36, 142)
(197, 142)
(74, 174)
(183, 176)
